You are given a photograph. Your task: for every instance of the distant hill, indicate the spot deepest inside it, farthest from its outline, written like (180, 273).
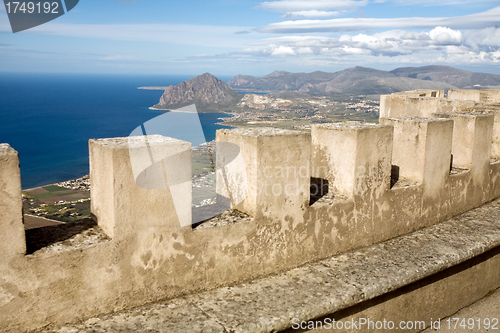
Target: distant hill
(206, 91)
(278, 81)
(454, 76)
(362, 80)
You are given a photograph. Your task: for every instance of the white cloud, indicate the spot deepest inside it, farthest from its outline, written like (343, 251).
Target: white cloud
(445, 36)
(496, 56)
(304, 50)
(483, 39)
(474, 46)
(282, 51)
(408, 36)
(473, 21)
(310, 14)
(327, 53)
(354, 50)
(286, 6)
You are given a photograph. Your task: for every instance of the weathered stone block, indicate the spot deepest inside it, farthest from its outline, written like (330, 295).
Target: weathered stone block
(462, 106)
(483, 95)
(140, 182)
(354, 157)
(490, 95)
(472, 136)
(401, 105)
(12, 239)
(277, 168)
(494, 180)
(422, 150)
(495, 140)
(431, 105)
(464, 94)
(385, 106)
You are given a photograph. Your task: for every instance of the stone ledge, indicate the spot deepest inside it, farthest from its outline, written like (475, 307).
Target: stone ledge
(6, 149)
(139, 141)
(317, 289)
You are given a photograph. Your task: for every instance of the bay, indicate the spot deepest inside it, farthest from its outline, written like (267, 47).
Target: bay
(49, 118)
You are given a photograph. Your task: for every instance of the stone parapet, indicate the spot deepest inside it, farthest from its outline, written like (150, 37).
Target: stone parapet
(384, 181)
(418, 277)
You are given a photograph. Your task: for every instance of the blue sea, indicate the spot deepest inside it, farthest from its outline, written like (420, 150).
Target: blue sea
(49, 118)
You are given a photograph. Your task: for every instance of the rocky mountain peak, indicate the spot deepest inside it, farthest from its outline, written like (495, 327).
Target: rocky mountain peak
(206, 91)
(277, 73)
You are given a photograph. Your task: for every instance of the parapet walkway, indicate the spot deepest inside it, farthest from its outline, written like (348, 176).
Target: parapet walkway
(432, 272)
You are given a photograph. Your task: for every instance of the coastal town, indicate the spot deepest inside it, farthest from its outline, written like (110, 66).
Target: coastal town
(67, 201)
(298, 111)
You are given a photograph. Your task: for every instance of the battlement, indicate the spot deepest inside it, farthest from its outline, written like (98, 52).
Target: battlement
(430, 103)
(422, 164)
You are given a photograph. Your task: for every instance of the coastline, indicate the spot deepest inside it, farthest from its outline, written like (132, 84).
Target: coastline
(156, 109)
(153, 88)
(153, 108)
(223, 119)
(83, 183)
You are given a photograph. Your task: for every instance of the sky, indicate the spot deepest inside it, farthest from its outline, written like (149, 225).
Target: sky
(229, 37)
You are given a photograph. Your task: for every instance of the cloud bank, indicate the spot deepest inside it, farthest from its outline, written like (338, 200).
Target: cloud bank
(387, 43)
(472, 21)
(303, 9)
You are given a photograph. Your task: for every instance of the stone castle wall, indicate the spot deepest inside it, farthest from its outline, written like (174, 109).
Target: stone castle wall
(430, 157)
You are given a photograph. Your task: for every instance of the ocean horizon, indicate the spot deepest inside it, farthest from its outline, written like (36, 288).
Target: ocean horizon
(49, 118)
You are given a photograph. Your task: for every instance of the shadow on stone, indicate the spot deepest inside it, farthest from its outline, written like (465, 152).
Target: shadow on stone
(394, 175)
(318, 189)
(39, 238)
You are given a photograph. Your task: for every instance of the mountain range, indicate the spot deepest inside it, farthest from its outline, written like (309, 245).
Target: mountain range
(363, 80)
(210, 94)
